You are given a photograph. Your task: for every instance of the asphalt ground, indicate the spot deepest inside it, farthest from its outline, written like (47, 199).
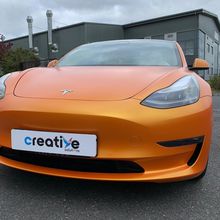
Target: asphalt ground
(25, 195)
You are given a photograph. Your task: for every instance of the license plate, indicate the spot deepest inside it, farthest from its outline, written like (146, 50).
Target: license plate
(54, 142)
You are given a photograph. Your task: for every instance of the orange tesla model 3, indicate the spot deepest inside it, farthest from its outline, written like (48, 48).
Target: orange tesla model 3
(128, 110)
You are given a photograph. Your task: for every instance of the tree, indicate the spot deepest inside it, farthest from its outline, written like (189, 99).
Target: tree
(13, 59)
(4, 49)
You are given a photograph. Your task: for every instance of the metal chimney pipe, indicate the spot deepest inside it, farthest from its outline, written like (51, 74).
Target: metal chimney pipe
(49, 24)
(30, 31)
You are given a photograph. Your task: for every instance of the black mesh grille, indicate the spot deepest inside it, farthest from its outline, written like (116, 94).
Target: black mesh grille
(72, 163)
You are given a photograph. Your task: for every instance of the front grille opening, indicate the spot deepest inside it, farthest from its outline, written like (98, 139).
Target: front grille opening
(195, 155)
(72, 163)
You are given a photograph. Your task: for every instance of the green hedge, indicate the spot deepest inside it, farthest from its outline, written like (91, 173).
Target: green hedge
(215, 82)
(12, 60)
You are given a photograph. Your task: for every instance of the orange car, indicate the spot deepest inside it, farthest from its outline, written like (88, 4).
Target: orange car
(128, 110)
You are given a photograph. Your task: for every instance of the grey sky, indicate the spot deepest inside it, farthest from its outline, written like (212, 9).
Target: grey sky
(14, 12)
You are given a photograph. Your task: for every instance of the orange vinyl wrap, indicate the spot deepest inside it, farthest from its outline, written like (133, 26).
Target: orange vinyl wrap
(126, 130)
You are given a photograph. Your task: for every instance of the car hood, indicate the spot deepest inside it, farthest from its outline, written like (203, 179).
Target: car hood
(88, 83)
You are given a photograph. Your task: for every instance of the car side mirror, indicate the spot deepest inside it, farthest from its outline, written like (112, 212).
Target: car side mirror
(200, 64)
(52, 63)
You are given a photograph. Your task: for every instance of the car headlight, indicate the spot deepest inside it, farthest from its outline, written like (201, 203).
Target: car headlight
(184, 91)
(2, 85)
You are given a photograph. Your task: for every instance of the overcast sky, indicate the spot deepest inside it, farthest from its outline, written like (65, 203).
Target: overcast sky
(13, 13)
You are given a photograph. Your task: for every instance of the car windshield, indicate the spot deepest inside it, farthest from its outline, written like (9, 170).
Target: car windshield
(124, 53)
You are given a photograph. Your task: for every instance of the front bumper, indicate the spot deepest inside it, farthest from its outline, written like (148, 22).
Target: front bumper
(125, 129)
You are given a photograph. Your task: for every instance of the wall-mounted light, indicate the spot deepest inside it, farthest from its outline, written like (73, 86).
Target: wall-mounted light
(54, 48)
(36, 51)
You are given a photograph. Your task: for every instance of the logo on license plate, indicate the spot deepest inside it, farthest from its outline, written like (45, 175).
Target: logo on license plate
(69, 144)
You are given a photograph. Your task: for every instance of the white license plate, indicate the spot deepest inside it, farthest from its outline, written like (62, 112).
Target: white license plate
(54, 142)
